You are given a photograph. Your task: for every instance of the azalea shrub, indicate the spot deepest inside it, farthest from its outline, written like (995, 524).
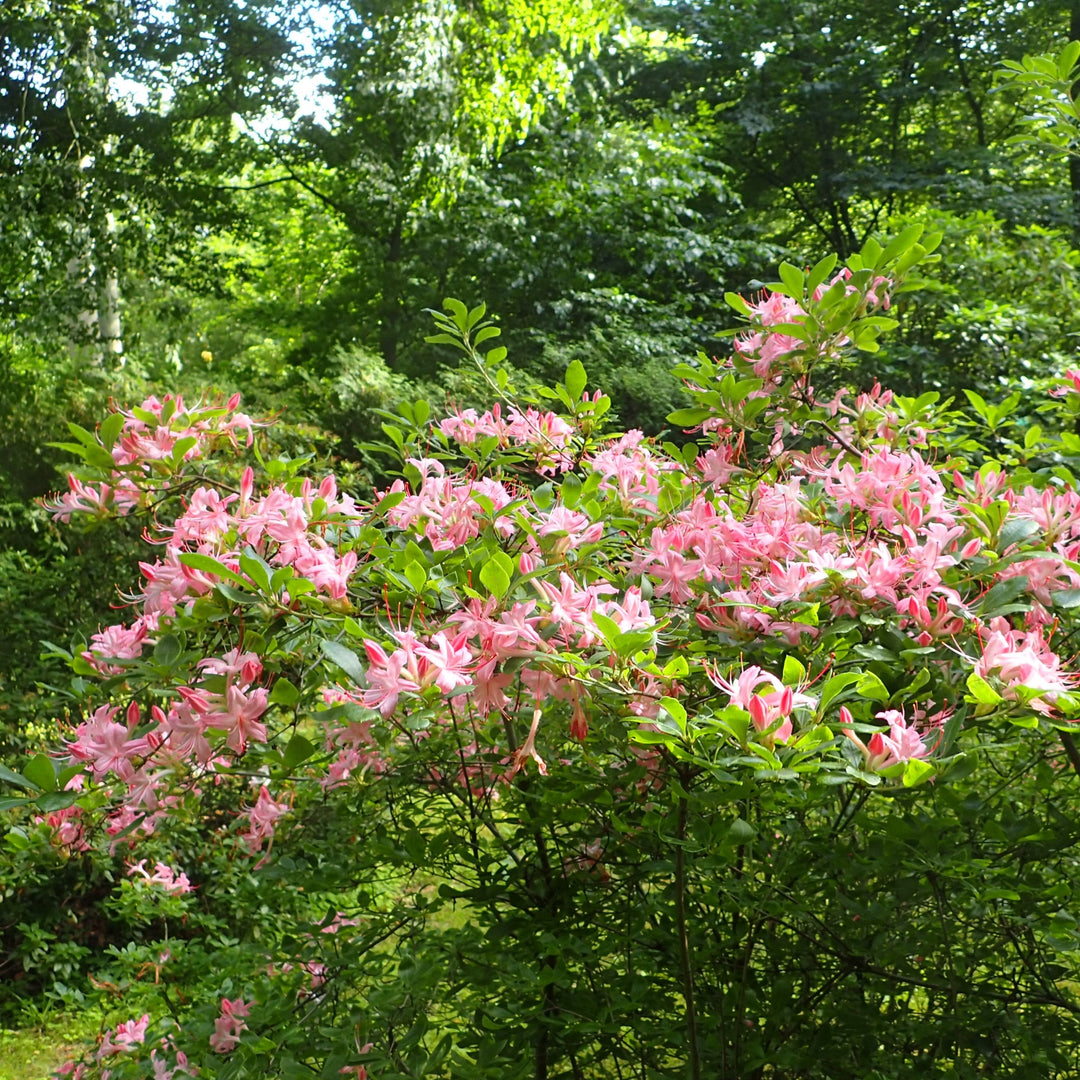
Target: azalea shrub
(743, 751)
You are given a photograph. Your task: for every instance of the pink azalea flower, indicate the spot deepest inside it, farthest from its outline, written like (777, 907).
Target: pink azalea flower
(902, 743)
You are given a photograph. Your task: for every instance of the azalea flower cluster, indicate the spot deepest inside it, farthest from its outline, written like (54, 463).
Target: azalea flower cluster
(717, 603)
(153, 439)
(828, 536)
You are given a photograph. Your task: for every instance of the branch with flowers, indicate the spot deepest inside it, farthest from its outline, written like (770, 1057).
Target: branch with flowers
(786, 594)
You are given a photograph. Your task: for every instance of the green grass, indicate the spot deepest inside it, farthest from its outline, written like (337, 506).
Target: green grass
(32, 1053)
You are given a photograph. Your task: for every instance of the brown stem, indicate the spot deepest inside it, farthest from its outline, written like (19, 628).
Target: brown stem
(1071, 752)
(684, 941)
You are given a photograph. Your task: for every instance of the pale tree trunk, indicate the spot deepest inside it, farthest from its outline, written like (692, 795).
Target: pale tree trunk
(110, 336)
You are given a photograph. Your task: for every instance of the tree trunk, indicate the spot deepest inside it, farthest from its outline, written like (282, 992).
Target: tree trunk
(110, 337)
(390, 307)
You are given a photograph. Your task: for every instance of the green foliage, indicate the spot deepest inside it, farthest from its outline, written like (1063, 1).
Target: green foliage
(683, 888)
(1000, 312)
(603, 192)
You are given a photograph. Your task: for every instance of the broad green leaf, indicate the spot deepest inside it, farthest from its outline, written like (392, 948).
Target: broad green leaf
(688, 418)
(570, 490)
(575, 380)
(298, 750)
(256, 568)
(495, 579)
(793, 279)
(110, 429)
(209, 565)
(345, 659)
(16, 779)
(52, 801)
(458, 312)
(284, 692)
(916, 771)
(794, 672)
(741, 831)
(607, 626)
(167, 650)
(820, 272)
(870, 686)
(675, 710)
(485, 333)
(901, 243)
(417, 574)
(981, 690)
(40, 771)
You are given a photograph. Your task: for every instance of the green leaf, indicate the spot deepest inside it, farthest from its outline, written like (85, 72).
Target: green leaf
(283, 574)
(643, 737)
(40, 771)
(793, 279)
(794, 672)
(815, 737)
(284, 693)
(167, 650)
(835, 686)
(494, 578)
(345, 659)
(1003, 594)
(570, 490)
(688, 418)
(84, 436)
(417, 574)
(917, 771)
(209, 565)
(395, 434)
(182, 446)
(16, 779)
(110, 429)
(458, 311)
(901, 244)
(1015, 531)
(575, 380)
(737, 303)
(741, 832)
(52, 801)
(982, 691)
(256, 568)
(820, 272)
(675, 710)
(298, 750)
(607, 626)
(485, 333)
(870, 686)
(415, 846)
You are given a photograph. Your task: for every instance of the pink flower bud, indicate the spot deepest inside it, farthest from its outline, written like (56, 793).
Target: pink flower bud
(759, 713)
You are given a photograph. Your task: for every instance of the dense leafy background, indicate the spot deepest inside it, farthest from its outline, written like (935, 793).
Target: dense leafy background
(600, 175)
